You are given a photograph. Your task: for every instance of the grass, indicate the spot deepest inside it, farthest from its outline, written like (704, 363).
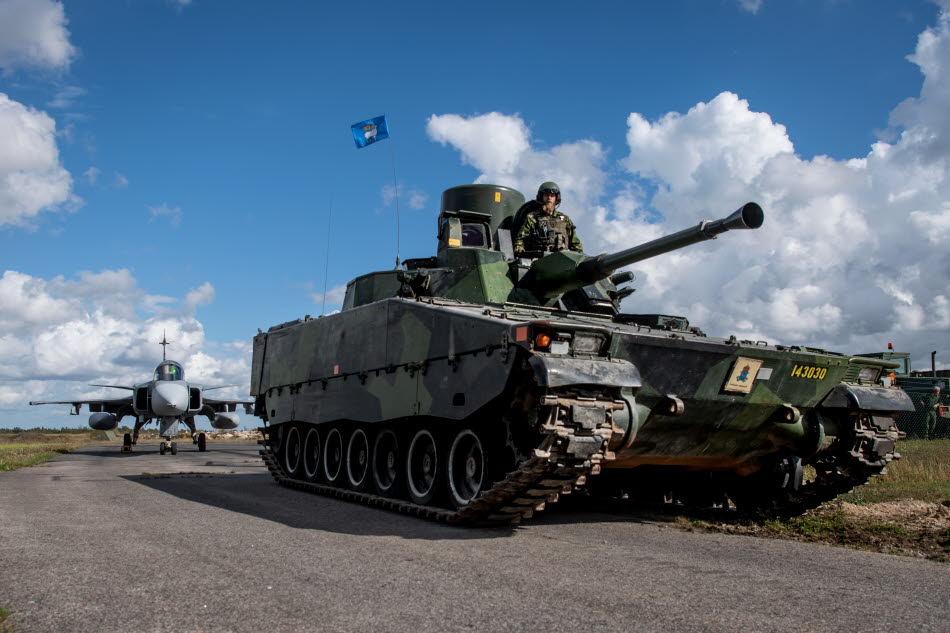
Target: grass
(4, 627)
(922, 473)
(28, 448)
(20, 448)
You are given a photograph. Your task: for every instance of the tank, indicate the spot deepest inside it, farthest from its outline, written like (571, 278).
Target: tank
(475, 387)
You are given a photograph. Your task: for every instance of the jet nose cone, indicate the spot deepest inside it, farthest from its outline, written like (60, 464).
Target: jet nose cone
(169, 398)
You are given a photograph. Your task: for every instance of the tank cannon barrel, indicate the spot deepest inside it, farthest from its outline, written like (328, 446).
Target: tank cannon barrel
(748, 216)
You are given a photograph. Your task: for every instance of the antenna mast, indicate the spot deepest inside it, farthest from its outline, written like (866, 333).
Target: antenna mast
(163, 343)
(326, 264)
(392, 158)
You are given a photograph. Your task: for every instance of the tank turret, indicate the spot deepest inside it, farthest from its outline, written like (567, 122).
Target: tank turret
(475, 261)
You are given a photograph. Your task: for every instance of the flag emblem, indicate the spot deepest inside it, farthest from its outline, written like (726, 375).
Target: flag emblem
(369, 131)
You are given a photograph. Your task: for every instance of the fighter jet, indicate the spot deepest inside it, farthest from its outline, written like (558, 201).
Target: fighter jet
(169, 400)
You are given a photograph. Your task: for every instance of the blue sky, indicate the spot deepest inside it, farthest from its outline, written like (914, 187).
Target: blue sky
(181, 158)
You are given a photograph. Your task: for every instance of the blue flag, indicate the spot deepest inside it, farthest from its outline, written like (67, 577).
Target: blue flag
(369, 131)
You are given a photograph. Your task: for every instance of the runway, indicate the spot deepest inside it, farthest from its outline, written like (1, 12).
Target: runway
(99, 541)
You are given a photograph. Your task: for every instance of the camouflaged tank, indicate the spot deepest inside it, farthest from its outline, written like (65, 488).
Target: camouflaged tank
(475, 387)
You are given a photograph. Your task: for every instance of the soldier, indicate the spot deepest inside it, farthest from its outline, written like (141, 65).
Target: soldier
(547, 229)
(931, 404)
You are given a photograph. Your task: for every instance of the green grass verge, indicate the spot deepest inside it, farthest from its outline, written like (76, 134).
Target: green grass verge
(13, 456)
(4, 627)
(922, 473)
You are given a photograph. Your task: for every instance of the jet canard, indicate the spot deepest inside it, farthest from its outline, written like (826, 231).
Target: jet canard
(169, 400)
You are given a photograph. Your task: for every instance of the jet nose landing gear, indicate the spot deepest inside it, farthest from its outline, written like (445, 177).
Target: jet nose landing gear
(168, 446)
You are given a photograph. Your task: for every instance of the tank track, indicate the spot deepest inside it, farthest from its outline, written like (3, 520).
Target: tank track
(851, 462)
(552, 470)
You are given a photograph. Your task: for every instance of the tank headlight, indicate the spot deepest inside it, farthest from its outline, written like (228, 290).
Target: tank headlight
(585, 343)
(869, 374)
(542, 340)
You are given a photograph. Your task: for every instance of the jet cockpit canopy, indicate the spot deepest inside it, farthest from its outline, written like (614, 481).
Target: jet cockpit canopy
(169, 370)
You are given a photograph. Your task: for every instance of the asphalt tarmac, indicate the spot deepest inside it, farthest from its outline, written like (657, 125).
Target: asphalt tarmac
(99, 541)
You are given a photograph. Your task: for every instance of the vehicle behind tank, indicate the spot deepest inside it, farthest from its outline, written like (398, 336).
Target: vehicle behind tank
(475, 387)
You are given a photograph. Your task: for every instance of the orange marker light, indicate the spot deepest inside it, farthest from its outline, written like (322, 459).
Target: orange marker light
(521, 334)
(542, 340)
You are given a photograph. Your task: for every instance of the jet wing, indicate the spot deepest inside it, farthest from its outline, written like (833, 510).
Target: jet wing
(219, 406)
(107, 406)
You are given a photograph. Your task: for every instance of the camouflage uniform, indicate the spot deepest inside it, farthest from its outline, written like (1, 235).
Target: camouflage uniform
(534, 233)
(931, 407)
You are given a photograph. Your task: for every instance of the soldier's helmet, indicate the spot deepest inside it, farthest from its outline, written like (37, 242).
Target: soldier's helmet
(549, 187)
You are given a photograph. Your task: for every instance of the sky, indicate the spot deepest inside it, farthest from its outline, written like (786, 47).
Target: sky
(187, 166)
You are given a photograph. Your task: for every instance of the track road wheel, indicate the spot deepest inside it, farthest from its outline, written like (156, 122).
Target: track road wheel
(202, 443)
(311, 454)
(466, 468)
(423, 468)
(387, 464)
(357, 460)
(333, 457)
(174, 448)
(771, 489)
(293, 448)
(161, 448)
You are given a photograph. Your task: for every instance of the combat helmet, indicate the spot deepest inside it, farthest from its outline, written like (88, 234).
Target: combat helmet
(549, 187)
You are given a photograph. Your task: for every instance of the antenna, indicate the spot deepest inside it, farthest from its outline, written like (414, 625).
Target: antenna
(392, 158)
(326, 263)
(164, 343)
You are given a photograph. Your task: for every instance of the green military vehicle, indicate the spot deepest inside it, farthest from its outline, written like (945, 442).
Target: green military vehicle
(919, 385)
(475, 387)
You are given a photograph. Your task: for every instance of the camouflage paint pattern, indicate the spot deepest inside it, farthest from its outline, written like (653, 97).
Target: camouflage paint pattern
(453, 337)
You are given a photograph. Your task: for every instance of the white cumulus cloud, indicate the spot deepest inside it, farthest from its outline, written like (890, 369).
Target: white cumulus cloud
(33, 34)
(490, 142)
(499, 147)
(32, 179)
(201, 296)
